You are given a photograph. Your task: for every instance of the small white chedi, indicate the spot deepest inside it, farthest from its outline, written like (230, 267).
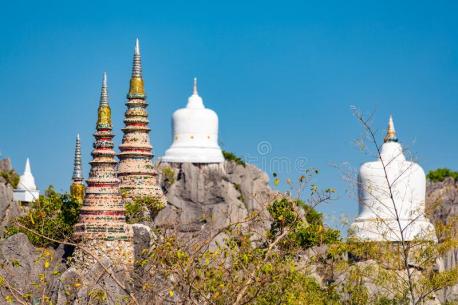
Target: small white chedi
(379, 208)
(195, 134)
(26, 190)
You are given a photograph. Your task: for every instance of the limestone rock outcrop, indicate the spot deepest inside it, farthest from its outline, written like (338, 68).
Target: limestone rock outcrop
(27, 271)
(442, 207)
(204, 198)
(9, 209)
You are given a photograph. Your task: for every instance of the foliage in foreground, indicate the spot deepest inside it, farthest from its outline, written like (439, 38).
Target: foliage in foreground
(297, 260)
(440, 174)
(52, 215)
(235, 270)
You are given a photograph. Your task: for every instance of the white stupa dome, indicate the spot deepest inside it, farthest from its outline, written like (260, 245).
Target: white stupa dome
(195, 134)
(378, 211)
(26, 190)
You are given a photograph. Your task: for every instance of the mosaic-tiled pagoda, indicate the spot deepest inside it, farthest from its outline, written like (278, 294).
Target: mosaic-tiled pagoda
(102, 216)
(136, 172)
(77, 187)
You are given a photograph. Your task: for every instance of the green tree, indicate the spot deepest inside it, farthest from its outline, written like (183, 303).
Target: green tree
(52, 215)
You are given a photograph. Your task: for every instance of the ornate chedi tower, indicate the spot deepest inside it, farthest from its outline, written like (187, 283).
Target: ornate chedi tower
(392, 197)
(135, 171)
(77, 187)
(102, 224)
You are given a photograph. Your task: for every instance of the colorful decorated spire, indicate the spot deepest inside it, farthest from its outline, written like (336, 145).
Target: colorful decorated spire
(102, 216)
(77, 187)
(390, 132)
(136, 172)
(136, 89)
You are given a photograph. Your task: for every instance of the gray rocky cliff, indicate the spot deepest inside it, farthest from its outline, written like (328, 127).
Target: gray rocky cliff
(204, 198)
(27, 272)
(442, 208)
(9, 209)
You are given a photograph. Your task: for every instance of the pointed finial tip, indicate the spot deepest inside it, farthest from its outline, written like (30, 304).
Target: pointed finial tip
(391, 132)
(78, 136)
(104, 78)
(137, 47)
(194, 91)
(27, 166)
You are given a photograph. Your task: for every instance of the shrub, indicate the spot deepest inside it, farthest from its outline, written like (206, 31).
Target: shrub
(440, 174)
(11, 177)
(52, 215)
(232, 157)
(306, 224)
(168, 175)
(143, 209)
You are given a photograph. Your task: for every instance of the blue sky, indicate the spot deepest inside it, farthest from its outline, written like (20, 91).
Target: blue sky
(281, 72)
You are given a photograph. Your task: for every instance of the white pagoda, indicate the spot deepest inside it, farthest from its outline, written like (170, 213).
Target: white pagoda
(195, 134)
(385, 213)
(26, 190)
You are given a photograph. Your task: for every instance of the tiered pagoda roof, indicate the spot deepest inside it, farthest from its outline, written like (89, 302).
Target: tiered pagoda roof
(136, 172)
(102, 216)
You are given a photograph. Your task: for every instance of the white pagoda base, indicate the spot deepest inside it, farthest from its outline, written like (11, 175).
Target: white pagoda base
(193, 155)
(388, 230)
(26, 196)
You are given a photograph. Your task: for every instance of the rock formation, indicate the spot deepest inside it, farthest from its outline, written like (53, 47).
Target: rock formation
(442, 207)
(9, 209)
(204, 198)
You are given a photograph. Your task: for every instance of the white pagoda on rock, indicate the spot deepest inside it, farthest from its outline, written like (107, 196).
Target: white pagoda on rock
(195, 134)
(380, 207)
(26, 190)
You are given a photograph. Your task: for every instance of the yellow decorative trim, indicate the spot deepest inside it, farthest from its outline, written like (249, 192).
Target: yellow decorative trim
(136, 86)
(104, 117)
(77, 192)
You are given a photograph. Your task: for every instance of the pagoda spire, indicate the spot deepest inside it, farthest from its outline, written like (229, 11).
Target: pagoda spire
(102, 216)
(26, 190)
(136, 82)
(77, 170)
(104, 111)
(77, 187)
(390, 132)
(194, 89)
(135, 171)
(27, 169)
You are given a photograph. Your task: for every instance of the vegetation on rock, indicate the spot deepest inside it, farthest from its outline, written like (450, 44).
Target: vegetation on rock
(168, 175)
(228, 156)
(11, 177)
(143, 209)
(52, 215)
(440, 174)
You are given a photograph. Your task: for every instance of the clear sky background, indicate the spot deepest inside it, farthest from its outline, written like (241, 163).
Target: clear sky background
(283, 73)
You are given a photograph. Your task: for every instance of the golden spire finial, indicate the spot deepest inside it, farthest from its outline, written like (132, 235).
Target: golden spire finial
(77, 186)
(390, 132)
(136, 89)
(104, 112)
(194, 89)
